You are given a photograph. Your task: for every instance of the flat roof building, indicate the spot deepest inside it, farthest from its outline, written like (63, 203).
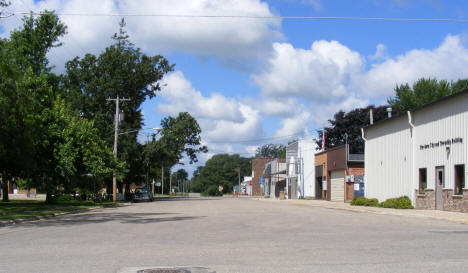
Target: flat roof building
(421, 154)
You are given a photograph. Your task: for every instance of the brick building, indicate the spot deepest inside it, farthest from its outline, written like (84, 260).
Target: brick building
(258, 166)
(339, 174)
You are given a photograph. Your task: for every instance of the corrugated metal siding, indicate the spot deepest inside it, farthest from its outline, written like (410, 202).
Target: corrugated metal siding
(337, 186)
(307, 148)
(446, 120)
(393, 155)
(388, 157)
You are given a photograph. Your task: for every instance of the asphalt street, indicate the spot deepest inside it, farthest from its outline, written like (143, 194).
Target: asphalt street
(233, 235)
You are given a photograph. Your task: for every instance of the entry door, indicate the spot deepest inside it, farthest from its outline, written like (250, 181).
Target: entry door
(439, 185)
(318, 187)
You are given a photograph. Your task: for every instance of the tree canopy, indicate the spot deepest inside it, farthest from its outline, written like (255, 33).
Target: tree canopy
(220, 170)
(424, 91)
(42, 139)
(271, 150)
(121, 70)
(56, 131)
(349, 124)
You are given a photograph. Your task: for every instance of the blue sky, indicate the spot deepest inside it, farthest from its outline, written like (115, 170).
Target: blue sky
(250, 79)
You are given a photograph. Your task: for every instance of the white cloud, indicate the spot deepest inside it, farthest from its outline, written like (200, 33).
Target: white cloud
(279, 108)
(180, 94)
(295, 125)
(225, 38)
(221, 118)
(228, 39)
(449, 61)
(380, 53)
(319, 73)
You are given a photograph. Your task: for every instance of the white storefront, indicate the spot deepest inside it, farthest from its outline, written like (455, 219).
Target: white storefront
(300, 162)
(421, 154)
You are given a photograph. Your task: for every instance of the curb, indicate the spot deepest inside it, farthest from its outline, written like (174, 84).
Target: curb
(381, 211)
(18, 221)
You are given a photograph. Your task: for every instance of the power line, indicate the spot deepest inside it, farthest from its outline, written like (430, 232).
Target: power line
(269, 17)
(260, 139)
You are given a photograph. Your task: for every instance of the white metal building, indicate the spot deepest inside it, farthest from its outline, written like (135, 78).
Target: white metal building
(421, 154)
(300, 162)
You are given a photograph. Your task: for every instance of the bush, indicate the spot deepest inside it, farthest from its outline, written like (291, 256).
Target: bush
(211, 191)
(362, 201)
(64, 198)
(359, 201)
(372, 202)
(398, 203)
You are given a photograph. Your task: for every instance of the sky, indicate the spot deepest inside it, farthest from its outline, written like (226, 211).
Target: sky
(251, 81)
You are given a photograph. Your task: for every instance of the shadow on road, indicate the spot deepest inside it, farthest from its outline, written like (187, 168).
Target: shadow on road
(102, 217)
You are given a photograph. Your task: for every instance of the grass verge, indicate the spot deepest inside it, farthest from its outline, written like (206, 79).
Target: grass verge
(23, 209)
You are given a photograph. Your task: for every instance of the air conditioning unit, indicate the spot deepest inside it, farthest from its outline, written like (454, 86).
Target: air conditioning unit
(350, 178)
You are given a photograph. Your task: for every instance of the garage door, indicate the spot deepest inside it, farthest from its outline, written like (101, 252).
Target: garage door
(337, 186)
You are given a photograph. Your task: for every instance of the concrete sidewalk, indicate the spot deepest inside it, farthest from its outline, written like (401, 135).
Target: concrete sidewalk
(459, 217)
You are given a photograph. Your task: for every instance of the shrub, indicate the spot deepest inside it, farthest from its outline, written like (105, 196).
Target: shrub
(398, 203)
(362, 201)
(372, 202)
(266, 196)
(211, 191)
(359, 201)
(64, 198)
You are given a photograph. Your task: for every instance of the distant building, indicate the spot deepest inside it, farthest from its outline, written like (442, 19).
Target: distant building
(300, 166)
(246, 186)
(275, 177)
(421, 154)
(258, 166)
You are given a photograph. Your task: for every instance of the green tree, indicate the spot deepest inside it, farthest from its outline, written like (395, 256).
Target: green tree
(424, 91)
(220, 170)
(41, 137)
(37, 37)
(178, 178)
(271, 150)
(24, 73)
(349, 124)
(121, 70)
(180, 136)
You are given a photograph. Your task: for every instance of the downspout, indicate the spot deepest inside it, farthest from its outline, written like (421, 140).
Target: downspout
(363, 135)
(410, 122)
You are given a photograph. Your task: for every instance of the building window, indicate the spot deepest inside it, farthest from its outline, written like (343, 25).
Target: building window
(459, 179)
(422, 180)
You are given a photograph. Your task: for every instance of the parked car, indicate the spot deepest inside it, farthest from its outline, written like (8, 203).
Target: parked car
(142, 194)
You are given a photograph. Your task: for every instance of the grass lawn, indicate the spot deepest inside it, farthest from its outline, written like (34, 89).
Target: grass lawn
(21, 209)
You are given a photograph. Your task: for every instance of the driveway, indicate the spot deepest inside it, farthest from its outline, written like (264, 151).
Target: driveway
(233, 235)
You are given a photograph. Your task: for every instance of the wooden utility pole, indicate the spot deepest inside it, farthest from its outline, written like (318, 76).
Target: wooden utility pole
(116, 134)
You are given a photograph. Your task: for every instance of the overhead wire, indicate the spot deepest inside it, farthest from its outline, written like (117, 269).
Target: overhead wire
(268, 17)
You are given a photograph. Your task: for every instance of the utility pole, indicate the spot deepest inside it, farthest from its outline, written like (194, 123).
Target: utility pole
(238, 174)
(170, 182)
(162, 178)
(116, 134)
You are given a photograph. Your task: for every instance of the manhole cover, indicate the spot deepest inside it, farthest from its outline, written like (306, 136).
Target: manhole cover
(172, 270)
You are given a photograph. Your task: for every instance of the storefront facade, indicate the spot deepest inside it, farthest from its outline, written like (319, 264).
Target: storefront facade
(421, 154)
(337, 173)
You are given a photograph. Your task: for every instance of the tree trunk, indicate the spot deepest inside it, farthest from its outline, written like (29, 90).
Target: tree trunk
(5, 187)
(4, 191)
